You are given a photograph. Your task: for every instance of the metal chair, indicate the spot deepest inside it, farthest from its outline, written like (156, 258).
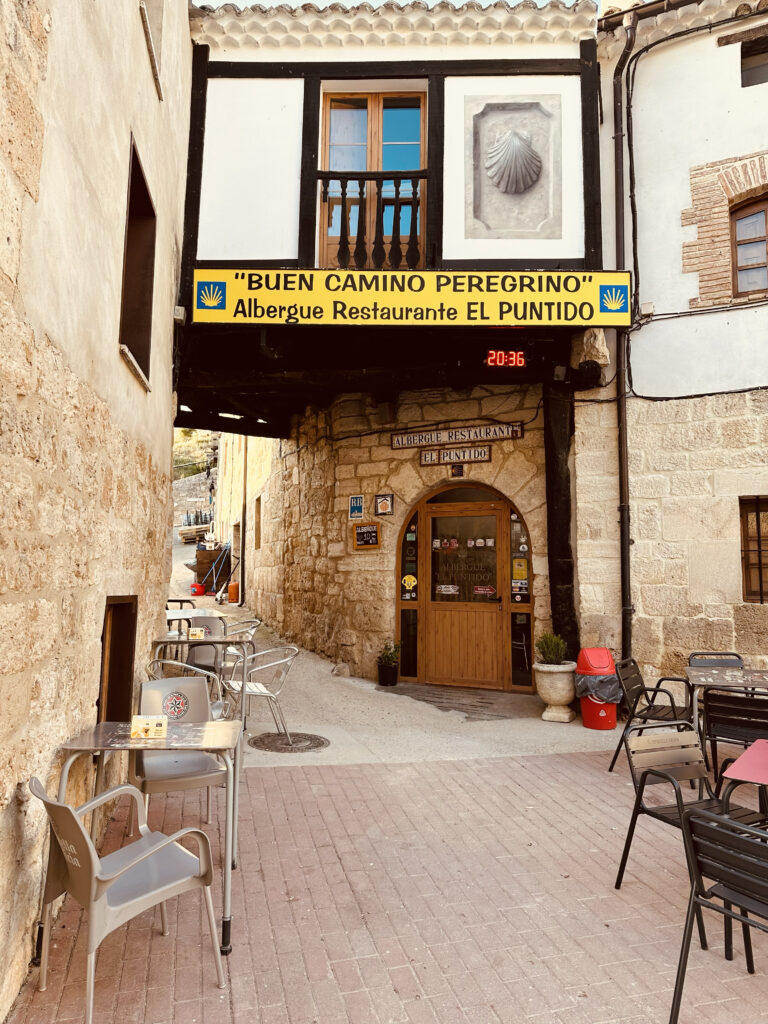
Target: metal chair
(670, 753)
(245, 629)
(168, 668)
(733, 858)
(207, 656)
(119, 886)
(733, 716)
(273, 666)
(182, 699)
(641, 700)
(715, 659)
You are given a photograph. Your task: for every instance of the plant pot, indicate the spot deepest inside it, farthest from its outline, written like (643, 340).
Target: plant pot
(388, 673)
(555, 685)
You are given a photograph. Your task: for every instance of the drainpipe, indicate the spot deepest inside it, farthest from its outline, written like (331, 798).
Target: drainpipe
(243, 524)
(630, 25)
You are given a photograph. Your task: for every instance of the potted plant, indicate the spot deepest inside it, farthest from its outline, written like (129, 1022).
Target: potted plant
(388, 662)
(554, 678)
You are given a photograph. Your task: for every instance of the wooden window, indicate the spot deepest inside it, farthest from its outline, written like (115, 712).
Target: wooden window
(749, 245)
(138, 274)
(369, 219)
(754, 548)
(754, 61)
(118, 645)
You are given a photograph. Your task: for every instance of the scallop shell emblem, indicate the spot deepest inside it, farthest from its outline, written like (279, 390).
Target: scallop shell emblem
(512, 164)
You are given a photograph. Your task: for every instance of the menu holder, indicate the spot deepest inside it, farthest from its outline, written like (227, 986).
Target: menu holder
(149, 727)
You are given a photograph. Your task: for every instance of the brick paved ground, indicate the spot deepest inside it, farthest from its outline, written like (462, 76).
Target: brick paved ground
(464, 892)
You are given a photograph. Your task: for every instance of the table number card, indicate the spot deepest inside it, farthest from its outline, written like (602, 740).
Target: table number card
(149, 727)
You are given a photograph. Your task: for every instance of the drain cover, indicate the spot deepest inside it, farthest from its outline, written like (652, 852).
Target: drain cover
(278, 744)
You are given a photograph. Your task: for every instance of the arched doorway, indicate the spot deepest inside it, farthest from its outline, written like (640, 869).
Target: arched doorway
(465, 591)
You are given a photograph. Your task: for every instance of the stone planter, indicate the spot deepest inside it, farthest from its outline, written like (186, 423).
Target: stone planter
(555, 686)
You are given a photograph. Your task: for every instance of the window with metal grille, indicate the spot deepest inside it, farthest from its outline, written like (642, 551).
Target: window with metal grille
(754, 548)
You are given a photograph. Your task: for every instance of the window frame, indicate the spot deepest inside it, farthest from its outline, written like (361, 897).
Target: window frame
(737, 213)
(757, 560)
(138, 273)
(375, 106)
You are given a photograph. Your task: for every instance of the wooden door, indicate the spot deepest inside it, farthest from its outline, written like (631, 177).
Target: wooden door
(465, 549)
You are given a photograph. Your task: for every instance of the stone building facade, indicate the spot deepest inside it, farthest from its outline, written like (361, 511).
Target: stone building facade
(85, 442)
(695, 391)
(304, 576)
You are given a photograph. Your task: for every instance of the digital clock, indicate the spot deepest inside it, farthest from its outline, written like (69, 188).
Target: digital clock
(505, 357)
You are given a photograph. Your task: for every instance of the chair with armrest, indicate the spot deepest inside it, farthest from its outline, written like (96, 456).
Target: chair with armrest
(643, 704)
(167, 668)
(728, 866)
(266, 673)
(669, 753)
(245, 629)
(715, 659)
(119, 886)
(182, 699)
(738, 716)
(207, 656)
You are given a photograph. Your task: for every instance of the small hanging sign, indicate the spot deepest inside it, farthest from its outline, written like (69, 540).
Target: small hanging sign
(447, 456)
(355, 506)
(366, 536)
(383, 504)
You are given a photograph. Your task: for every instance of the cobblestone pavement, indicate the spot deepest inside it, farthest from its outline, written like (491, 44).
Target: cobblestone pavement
(462, 892)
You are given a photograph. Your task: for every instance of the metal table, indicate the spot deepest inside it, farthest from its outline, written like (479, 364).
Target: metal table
(214, 737)
(246, 649)
(189, 615)
(722, 679)
(750, 767)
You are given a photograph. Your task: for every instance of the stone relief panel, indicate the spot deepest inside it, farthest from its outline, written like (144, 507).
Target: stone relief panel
(513, 167)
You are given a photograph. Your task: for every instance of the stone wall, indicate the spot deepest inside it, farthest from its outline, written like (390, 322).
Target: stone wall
(85, 450)
(690, 462)
(596, 518)
(305, 579)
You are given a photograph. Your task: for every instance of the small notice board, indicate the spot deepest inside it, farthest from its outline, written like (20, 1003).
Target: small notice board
(366, 536)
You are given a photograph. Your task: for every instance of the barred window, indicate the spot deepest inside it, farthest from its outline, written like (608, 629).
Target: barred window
(754, 548)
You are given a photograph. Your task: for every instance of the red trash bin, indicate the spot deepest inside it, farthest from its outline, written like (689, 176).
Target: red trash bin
(596, 713)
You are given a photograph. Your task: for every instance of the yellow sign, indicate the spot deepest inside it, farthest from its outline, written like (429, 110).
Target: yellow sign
(359, 298)
(519, 568)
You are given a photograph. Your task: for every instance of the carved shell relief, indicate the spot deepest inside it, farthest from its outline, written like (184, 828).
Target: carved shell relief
(511, 162)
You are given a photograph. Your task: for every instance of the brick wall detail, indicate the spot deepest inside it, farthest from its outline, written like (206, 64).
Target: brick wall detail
(715, 189)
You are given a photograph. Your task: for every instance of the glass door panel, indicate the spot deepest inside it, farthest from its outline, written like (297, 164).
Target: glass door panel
(463, 559)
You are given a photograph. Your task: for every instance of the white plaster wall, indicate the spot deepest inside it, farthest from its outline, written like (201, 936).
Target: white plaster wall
(689, 108)
(249, 207)
(352, 52)
(724, 350)
(100, 90)
(571, 244)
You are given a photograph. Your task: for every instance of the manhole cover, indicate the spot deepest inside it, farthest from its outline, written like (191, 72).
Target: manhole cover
(277, 743)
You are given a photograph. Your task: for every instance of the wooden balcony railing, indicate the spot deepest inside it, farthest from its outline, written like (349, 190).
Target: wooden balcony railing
(371, 194)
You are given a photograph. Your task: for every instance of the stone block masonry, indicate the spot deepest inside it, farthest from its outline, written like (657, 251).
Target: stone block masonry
(305, 578)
